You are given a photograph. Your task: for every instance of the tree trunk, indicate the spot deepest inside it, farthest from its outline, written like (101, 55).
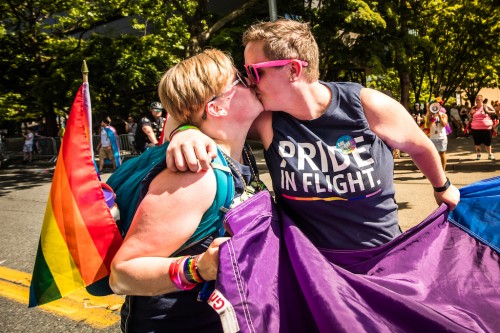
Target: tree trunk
(404, 83)
(402, 62)
(51, 123)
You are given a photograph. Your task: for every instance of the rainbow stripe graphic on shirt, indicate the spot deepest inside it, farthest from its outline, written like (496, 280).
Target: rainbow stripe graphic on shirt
(361, 197)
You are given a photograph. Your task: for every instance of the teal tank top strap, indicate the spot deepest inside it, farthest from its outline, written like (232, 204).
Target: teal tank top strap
(212, 219)
(127, 183)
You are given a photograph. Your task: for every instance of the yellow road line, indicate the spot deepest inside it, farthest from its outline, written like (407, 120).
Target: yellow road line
(96, 311)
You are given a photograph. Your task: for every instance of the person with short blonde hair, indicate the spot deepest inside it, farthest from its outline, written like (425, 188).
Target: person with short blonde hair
(185, 88)
(172, 245)
(287, 39)
(327, 144)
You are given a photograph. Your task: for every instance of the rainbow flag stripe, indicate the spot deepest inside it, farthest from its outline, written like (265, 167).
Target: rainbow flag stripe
(79, 236)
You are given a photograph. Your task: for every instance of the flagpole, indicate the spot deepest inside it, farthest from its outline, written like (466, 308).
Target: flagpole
(85, 72)
(85, 76)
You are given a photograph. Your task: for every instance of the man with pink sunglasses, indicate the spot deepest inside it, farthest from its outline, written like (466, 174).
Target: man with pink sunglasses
(327, 144)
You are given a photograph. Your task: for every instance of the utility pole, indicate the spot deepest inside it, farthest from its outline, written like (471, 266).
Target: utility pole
(273, 15)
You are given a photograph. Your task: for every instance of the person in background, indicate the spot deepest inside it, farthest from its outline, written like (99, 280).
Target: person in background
(481, 127)
(496, 120)
(29, 137)
(456, 121)
(131, 128)
(61, 130)
(436, 123)
(173, 242)
(150, 128)
(443, 110)
(417, 114)
(464, 116)
(488, 108)
(496, 107)
(327, 145)
(108, 145)
(464, 112)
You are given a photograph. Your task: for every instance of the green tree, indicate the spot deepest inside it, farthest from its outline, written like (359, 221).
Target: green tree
(414, 48)
(485, 76)
(464, 36)
(337, 26)
(40, 40)
(44, 43)
(431, 44)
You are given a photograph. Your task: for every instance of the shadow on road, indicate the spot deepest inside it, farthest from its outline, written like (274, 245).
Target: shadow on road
(16, 177)
(403, 205)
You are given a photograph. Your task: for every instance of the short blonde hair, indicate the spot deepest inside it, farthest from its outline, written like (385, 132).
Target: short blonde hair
(187, 87)
(287, 39)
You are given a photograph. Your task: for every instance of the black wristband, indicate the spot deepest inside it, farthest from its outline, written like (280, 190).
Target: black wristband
(444, 187)
(179, 128)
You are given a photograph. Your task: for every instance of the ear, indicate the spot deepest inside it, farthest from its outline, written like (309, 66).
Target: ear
(215, 110)
(295, 70)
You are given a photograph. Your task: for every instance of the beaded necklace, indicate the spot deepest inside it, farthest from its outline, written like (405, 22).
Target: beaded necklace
(249, 189)
(256, 181)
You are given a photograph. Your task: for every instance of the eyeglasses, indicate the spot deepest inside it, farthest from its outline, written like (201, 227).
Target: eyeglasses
(239, 79)
(253, 73)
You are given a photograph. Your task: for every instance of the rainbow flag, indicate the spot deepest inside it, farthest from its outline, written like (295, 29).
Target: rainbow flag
(79, 236)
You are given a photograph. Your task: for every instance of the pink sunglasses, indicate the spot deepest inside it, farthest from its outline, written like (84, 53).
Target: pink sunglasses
(253, 73)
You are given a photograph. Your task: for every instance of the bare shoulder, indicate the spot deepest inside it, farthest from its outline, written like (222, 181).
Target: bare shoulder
(381, 110)
(178, 196)
(170, 212)
(388, 119)
(184, 186)
(376, 101)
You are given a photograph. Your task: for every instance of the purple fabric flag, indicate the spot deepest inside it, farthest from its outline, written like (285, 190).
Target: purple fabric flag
(436, 277)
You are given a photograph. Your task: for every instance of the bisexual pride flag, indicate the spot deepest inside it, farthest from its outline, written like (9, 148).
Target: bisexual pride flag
(79, 236)
(443, 275)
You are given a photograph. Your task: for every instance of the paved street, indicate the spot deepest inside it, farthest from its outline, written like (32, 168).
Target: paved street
(23, 195)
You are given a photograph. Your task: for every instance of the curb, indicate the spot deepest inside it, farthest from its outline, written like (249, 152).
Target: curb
(460, 157)
(465, 166)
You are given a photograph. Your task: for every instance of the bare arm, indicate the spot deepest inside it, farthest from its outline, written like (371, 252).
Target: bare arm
(444, 118)
(489, 109)
(189, 150)
(165, 220)
(192, 150)
(150, 134)
(394, 125)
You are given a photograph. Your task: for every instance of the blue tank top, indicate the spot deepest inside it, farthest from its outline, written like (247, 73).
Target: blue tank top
(333, 175)
(174, 312)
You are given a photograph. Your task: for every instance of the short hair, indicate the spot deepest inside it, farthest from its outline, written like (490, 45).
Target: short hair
(187, 87)
(105, 121)
(287, 39)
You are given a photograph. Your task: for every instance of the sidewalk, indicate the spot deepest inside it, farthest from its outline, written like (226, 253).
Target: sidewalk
(461, 156)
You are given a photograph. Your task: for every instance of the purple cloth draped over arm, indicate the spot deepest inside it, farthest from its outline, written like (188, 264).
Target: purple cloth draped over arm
(433, 278)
